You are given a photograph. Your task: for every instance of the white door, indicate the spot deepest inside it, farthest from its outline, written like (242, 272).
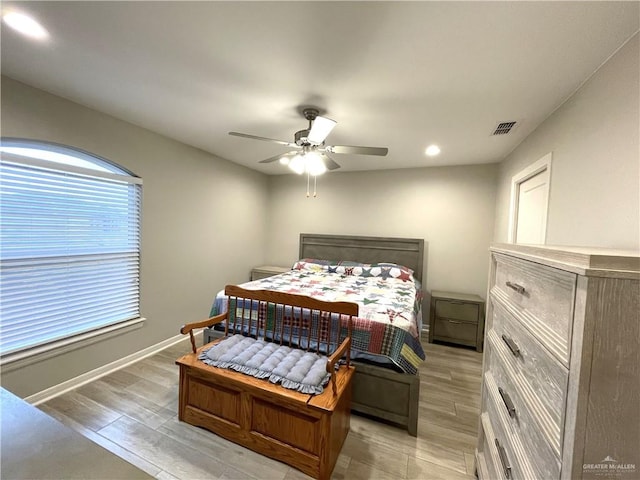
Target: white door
(529, 203)
(532, 209)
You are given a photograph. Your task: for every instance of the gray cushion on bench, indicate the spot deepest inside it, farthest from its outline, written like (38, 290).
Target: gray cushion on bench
(292, 368)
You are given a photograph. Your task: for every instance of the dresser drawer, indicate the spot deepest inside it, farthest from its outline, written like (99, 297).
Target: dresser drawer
(455, 331)
(499, 452)
(486, 455)
(457, 310)
(542, 298)
(520, 418)
(541, 374)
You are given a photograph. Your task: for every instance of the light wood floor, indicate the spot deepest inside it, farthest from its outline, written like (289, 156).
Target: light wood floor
(133, 413)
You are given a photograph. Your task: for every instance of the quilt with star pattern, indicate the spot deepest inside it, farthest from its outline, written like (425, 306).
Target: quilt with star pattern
(389, 299)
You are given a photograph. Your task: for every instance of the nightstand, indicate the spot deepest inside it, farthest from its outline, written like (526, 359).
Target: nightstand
(267, 271)
(457, 318)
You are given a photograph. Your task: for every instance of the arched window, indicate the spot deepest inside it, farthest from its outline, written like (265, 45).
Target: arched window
(69, 245)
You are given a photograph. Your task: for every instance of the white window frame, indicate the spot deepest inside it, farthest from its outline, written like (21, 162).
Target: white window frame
(109, 171)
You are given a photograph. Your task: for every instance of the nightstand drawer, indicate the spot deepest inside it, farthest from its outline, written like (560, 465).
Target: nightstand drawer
(266, 271)
(259, 275)
(455, 331)
(456, 310)
(457, 318)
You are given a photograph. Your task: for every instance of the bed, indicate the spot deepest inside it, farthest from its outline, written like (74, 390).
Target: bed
(386, 383)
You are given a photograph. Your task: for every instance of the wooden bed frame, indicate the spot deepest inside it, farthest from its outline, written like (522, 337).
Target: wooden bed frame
(377, 391)
(303, 430)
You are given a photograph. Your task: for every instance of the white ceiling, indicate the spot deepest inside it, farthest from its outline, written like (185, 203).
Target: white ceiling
(400, 75)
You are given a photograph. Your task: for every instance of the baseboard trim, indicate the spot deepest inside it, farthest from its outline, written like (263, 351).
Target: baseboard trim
(90, 376)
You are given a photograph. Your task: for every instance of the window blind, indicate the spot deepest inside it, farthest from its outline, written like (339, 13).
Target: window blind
(69, 252)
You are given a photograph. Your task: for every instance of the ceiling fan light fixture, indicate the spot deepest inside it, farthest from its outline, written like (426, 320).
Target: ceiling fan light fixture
(310, 163)
(320, 129)
(314, 164)
(284, 160)
(297, 164)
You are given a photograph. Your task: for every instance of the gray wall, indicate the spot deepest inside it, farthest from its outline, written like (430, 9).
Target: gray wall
(595, 172)
(451, 208)
(192, 243)
(189, 196)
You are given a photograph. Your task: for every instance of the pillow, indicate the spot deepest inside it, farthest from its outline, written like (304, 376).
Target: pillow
(382, 270)
(393, 270)
(350, 268)
(349, 263)
(312, 264)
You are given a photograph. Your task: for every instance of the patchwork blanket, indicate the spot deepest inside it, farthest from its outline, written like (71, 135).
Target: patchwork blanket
(390, 315)
(292, 368)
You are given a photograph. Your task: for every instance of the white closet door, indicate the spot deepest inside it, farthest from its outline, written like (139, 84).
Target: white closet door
(532, 209)
(530, 202)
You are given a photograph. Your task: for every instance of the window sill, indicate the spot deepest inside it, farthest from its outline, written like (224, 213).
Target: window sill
(16, 360)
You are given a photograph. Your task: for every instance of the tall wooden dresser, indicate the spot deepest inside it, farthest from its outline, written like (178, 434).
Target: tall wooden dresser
(561, 370)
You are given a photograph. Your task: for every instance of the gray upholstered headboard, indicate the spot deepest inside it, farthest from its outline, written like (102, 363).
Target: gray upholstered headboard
(404, 251)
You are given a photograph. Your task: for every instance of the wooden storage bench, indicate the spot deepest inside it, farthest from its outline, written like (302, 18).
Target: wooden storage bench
(303, 430)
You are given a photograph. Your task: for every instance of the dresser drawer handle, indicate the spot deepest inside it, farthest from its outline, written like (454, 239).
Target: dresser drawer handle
(507, 402)
(516, 287)
(454, 321)
(506, 467)
(512, 345)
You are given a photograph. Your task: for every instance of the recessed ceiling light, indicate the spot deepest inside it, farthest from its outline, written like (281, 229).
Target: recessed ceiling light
(432, 150)
(25, 25)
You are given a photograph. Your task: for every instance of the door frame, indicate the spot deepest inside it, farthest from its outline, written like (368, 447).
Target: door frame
(534, 169)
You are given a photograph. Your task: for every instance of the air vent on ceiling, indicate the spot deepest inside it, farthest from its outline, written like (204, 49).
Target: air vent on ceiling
(503, 128)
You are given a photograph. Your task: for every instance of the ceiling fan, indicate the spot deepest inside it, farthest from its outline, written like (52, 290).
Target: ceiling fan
(310, 154)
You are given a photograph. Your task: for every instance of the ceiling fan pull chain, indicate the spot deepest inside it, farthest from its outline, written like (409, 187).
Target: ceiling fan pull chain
(307, 184)
(315, 184)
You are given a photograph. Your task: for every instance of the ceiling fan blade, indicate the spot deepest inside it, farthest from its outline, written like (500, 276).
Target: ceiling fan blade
(320, 130)
(264, 139)
(278, 157)
(330, 163)
(380, 151)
